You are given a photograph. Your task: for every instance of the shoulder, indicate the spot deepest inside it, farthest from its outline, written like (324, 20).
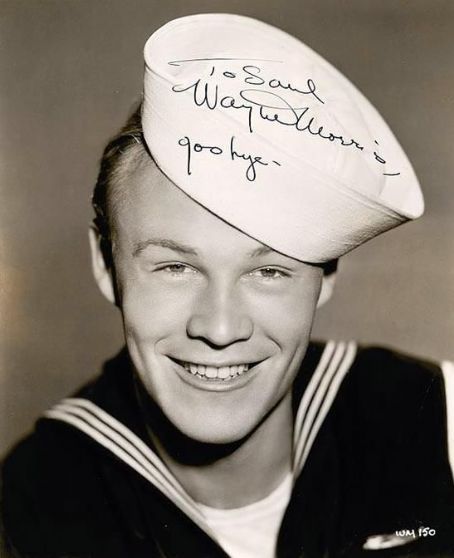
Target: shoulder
(54, 489)
(51, 492)
(371, 380)
(52, 450)
(395, 387)
(390, 397)
(55, 450)
(391, 410)
(399, 367)
(386, 406)
(384, 363)
(378, 373)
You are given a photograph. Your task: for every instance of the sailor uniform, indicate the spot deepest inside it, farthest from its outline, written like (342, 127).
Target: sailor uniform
(371, 469)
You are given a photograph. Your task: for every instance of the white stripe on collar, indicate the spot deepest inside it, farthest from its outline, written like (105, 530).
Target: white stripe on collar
(318, 398)
(448, 376)
(110, 433)
(311, 388)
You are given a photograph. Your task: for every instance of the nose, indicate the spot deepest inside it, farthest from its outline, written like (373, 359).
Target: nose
(219, 317)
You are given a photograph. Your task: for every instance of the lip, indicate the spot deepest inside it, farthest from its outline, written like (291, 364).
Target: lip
(215, 385)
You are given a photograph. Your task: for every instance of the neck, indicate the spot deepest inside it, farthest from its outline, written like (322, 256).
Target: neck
(230, 475)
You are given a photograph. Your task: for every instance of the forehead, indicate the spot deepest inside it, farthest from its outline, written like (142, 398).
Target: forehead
(148, 205)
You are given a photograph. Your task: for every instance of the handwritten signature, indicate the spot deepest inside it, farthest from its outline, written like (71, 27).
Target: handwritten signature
(231, 151)
(266, 104)
(252, 76)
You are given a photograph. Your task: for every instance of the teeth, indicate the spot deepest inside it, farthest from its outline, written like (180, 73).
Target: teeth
(230, 371)
(224, 372)
(213, 372)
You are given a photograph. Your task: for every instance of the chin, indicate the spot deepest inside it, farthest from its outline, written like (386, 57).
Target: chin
(214, 430)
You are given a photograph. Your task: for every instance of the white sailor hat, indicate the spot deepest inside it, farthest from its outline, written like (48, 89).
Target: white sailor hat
(266, 134)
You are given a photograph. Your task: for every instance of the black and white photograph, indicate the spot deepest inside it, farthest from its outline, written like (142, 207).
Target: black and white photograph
(227, 279)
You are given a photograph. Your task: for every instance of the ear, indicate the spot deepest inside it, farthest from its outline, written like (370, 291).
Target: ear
(102, 274)
(327, 289)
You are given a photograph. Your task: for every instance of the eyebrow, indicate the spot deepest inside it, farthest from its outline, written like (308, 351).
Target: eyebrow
(261, 251)
(139, 247)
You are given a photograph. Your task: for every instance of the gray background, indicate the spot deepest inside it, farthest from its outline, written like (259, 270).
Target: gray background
(70, 71)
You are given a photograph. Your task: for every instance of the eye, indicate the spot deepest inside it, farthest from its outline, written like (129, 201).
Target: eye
(177, 269)
(269, 273)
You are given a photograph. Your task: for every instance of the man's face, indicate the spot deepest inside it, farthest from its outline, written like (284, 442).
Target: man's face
(215, 322)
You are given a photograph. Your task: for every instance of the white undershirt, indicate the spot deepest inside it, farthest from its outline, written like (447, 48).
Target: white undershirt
(251, 531)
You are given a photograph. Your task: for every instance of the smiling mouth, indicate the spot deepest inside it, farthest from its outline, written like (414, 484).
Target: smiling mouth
(222, 373)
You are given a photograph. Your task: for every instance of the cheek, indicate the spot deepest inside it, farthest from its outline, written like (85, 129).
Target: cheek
(288, 318)
(150, 309)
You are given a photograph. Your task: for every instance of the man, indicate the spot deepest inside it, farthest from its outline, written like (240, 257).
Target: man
(221, 209)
